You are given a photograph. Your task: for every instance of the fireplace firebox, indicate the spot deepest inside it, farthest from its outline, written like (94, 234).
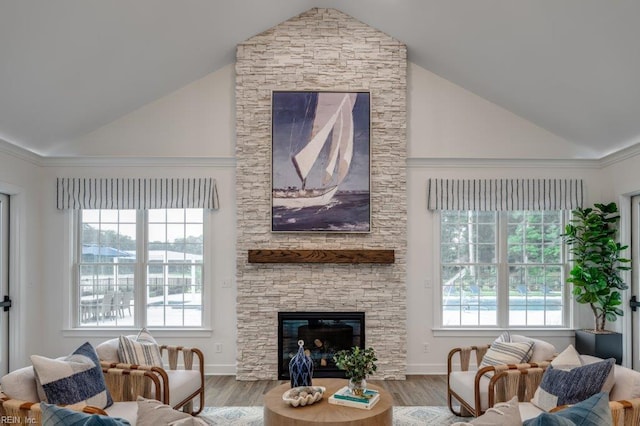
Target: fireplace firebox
(323, 333)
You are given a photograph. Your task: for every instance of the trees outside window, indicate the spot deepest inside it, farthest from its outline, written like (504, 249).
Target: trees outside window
(502, 269)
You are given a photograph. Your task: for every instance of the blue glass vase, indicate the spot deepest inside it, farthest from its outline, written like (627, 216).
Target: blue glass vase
(300, 368)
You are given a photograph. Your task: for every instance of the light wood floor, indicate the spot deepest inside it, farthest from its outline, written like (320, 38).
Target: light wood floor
(415, 390)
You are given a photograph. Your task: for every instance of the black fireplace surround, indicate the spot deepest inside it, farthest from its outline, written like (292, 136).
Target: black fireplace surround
(323, 333)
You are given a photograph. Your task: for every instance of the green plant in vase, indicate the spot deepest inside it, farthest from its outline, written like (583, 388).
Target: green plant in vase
(357, 364)
(597, 261)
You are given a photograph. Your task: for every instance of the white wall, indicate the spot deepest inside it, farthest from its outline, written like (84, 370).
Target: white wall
(447, 121)
(621, 175)
(194, 121)
(449, 129)
(20, 177)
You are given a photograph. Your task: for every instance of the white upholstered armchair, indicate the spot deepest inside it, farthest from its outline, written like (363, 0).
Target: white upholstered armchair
(181, 381)
(471, 371)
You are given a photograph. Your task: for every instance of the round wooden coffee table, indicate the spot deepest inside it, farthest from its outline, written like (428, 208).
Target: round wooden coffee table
(279, 413)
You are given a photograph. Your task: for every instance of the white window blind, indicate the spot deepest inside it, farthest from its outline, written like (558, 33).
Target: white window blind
(136, 193)
(504, 194)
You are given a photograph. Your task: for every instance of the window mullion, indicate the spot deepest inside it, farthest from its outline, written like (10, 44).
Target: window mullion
(141, 269)
(503, 270)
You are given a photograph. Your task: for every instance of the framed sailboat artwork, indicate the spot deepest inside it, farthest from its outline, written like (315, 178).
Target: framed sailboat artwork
(321, 165)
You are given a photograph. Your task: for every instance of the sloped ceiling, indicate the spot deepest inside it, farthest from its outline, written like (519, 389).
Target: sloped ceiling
(68, 67)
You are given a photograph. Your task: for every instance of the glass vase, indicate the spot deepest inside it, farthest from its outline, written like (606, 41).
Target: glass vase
(357, 386)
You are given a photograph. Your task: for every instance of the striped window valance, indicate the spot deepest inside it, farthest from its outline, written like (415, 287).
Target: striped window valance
(136, 193)
(504, 194)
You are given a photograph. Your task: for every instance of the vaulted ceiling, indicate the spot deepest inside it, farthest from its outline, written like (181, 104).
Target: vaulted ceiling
(68, 67)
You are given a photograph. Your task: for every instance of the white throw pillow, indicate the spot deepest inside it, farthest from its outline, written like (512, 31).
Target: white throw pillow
(20, 385)
(542, 351)
(567, 359)
(155, 413)
(108, 351)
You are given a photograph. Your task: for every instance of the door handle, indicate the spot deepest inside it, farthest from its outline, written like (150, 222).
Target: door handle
(6, 304)
(634, 303)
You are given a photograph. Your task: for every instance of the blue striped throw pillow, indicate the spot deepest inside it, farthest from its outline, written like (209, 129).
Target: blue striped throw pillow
(143, 350)
(507, 353)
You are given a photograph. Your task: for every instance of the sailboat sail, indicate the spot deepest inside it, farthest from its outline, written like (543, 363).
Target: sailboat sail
(333, 117)
(346, 148)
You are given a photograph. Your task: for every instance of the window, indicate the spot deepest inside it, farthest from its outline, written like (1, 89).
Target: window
(140, 267)
(502, 269)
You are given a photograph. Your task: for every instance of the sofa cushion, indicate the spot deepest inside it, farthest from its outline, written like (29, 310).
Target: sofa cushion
(154, 413)
(53, 415)
(462, 383)
(560, 387)
(183, 383)
(127, 410)
(594, 411)
(21, 385)
(503, 414)
(73, 379)
(143, 350)
(626, 381)
(528, 410)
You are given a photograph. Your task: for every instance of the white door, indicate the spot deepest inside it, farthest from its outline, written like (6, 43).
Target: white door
(4, 283)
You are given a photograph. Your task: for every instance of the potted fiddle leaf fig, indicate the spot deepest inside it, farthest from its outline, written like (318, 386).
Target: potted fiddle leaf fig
(357, 364)
(597, 263)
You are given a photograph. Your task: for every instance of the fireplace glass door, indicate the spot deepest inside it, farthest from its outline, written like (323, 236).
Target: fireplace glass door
(323, 333)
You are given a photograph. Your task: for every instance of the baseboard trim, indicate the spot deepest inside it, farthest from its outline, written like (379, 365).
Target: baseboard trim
(427, 369)
(220, 369)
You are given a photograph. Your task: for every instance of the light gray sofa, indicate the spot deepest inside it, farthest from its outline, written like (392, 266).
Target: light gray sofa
(624, 396)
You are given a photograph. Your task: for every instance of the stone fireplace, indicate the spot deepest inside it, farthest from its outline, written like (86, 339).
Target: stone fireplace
(321, 49)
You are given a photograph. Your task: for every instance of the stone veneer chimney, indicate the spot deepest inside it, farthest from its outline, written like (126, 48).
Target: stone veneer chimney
(321, 49)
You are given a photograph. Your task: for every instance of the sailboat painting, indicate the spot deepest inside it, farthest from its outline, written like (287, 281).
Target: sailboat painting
(321, 162)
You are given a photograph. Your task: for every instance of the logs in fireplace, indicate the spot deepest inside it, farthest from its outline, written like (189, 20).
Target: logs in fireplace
(323, 333)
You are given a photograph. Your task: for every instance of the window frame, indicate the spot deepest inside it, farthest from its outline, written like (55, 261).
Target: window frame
(139, 318)
(502, 294)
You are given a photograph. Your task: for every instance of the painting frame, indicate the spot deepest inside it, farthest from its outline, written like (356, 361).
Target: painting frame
(320, 161)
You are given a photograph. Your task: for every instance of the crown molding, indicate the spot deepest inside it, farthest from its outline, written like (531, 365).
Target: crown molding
(620, 155)
(422, 162)
(106, 161)
(18, 152)
(218, 162)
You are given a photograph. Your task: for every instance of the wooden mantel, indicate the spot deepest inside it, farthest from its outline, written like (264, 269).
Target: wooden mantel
(321, 256)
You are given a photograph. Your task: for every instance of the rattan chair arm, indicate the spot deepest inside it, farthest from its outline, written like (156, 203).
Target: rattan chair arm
(197, 352)
(502, 374)
(19, 412)
(157, 375)
(125, 366)
(457, 351)
(160, 381)
(623, 412)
